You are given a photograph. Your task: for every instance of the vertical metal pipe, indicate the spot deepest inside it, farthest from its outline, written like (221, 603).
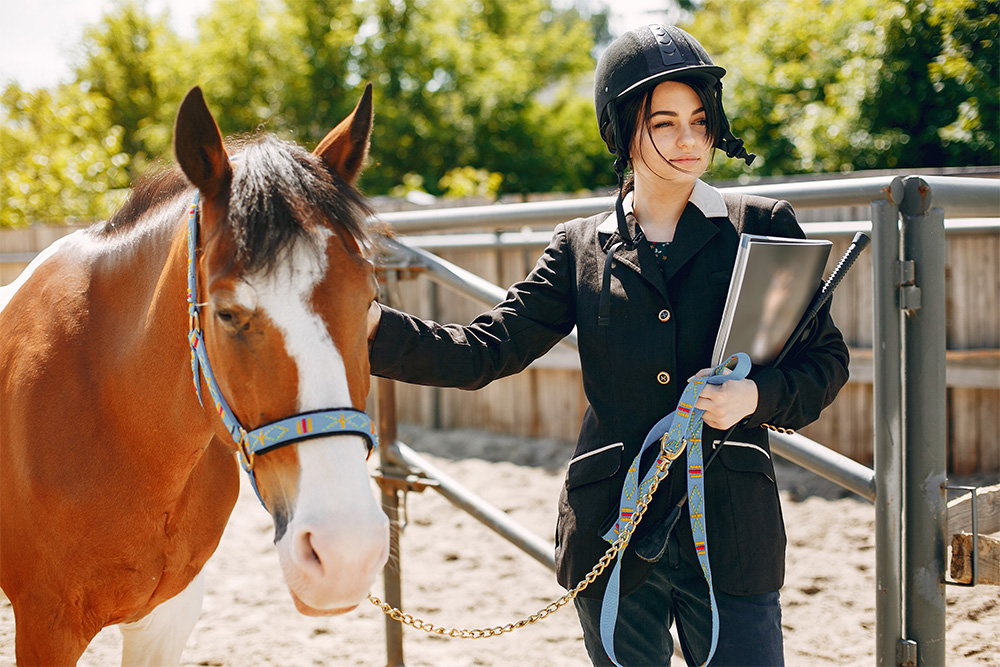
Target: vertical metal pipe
(924, 428)
(385, 392)
(887, 431)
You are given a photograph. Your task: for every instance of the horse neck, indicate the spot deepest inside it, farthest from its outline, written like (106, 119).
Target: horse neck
(150, 275)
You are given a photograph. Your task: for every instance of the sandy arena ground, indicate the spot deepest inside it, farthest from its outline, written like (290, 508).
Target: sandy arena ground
(456, 572)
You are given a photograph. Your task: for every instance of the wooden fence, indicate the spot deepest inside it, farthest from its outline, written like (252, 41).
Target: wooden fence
(547, 400)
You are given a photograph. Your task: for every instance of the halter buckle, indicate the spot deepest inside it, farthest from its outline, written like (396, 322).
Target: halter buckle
(244, 446)
(670, 454)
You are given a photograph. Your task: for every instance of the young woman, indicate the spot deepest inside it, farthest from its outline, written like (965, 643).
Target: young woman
(645, 287)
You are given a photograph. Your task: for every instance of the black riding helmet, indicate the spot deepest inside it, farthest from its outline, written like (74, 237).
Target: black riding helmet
(639, 60)
(633, 63)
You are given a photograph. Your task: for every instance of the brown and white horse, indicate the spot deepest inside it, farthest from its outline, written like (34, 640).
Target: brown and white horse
(115, 481)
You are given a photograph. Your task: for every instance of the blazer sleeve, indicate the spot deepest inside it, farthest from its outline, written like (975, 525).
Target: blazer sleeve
(537, 313)
(793, 394)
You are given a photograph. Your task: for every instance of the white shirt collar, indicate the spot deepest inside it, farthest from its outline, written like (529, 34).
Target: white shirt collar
(706, 199)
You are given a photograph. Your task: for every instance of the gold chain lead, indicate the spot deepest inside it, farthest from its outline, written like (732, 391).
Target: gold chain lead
(662, 468)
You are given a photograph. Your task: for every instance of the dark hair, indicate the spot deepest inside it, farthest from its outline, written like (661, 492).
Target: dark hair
(639, 106)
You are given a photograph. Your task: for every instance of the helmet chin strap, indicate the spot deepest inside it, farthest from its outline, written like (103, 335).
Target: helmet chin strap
(621, 161)
(727, 141)
(734, 147)
(627, 241)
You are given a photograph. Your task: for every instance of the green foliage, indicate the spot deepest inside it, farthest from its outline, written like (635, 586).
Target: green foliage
(814, 86)
(470, 182)
(494, 96)
(461, 82)
(940, 89)
(501, 85)
(61, 157)
(131, 60)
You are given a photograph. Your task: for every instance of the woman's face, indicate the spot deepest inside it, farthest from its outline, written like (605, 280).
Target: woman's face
(672, 146)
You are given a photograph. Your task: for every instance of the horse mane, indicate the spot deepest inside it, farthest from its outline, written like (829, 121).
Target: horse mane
(153, 188)
(279, 192)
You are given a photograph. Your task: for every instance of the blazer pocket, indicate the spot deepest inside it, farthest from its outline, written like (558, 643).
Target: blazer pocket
(747, 457)
(595, 465)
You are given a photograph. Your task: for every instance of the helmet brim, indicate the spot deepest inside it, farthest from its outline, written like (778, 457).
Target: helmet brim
(710, 73)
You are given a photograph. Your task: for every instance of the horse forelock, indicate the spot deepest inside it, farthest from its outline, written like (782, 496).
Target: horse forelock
(280, 193)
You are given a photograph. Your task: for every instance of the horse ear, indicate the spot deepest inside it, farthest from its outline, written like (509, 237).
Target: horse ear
(345, 148)
(198, 146)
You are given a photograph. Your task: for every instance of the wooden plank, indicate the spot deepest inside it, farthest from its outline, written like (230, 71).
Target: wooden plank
(976, 368)
(562, 406)
(973, 291)
(963, 368)
(987, 510)
(989, 559)
(989, 425)
(963, 426)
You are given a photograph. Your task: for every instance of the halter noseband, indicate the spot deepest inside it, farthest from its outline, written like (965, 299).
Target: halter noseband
(339, 421)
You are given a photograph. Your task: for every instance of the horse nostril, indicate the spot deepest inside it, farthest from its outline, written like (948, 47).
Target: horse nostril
(306, 551)
(312, 552)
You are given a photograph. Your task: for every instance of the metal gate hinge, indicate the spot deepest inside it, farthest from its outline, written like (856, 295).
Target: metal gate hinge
(909, 297)
(906, 653)
(905, 272)
(909, 293)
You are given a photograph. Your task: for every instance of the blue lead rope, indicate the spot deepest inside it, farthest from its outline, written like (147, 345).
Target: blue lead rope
(679, 430)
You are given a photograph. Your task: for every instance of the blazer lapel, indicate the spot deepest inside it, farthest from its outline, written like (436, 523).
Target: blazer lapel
(646, 267)
(694, 230)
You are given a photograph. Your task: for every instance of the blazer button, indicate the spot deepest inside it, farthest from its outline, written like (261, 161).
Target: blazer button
(663, 377)
(664, 315)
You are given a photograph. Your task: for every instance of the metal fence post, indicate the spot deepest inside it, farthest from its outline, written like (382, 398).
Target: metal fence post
(888, 450)
(924, 429)
(385, 392)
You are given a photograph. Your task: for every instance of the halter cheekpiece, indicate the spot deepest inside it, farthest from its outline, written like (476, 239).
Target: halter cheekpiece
(321, 423)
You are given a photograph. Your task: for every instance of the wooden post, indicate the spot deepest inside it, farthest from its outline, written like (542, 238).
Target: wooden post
(988, 562)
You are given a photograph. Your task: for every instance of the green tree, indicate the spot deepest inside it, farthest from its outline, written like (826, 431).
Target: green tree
(246, 53)
(61, 157)
(815, 86)
(134, 61)
(462, 87)
(938, 94)
(328, 85)
(464, 83)
(794, 83)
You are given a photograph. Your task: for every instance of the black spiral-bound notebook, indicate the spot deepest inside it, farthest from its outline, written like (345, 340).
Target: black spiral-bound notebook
(774, 280)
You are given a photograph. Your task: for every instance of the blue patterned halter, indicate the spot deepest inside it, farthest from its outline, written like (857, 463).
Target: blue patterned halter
(339, 421)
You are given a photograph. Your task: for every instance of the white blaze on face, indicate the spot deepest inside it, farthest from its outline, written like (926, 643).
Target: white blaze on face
(337, 539)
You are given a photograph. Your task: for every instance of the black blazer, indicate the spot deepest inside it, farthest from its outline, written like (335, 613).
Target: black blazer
(662, 331)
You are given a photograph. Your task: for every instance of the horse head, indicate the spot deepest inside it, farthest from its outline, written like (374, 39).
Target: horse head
(282, 288)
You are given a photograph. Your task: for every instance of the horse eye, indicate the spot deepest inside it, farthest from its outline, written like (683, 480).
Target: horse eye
(225, 316)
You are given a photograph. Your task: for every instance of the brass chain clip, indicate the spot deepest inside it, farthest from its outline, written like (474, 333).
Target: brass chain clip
(662, 468)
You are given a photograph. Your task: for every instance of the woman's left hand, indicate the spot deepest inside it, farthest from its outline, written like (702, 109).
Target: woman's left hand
(727, 403)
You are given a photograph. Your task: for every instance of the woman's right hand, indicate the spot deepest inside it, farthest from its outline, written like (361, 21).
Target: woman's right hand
(374, 317)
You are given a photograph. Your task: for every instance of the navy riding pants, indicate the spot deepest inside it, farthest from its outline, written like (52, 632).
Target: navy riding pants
(676, 592)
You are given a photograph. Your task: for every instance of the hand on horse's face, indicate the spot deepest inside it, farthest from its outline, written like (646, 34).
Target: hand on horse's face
(374, 317)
